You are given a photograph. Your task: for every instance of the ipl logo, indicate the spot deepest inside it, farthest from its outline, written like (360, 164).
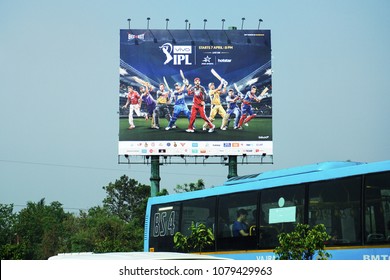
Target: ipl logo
(181, 54)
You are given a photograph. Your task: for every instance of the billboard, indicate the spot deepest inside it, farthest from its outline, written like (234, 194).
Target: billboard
(195, 92)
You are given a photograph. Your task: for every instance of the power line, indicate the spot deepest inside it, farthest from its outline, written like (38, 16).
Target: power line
(97, 168)
(61, 165)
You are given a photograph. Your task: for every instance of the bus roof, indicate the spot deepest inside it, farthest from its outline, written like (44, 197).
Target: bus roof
(294, 171)
(133, 256)
(283, 177)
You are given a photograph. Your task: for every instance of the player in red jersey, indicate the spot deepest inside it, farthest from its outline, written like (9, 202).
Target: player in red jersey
(199, 93)
(134, 100)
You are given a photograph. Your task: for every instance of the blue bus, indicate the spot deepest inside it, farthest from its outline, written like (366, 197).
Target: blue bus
(351, 199)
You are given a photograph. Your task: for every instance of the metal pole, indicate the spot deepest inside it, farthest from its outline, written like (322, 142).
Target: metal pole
(232, 167)
(260, 21)
(155, 176)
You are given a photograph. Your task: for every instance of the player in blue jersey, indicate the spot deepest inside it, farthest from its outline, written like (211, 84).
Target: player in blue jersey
(180, 106)
(249, 98)
(232, 109)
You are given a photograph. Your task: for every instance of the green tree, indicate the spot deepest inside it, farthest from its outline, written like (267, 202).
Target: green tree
(101, 231)
(303, 243)
(39, 229)
(71, 227)
(163, 192)
(200, 238)
(8, 238)
(198, 185)
(7, 223)
(127, 199)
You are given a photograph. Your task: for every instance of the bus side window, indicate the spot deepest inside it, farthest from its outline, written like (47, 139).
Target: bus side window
(199, 211)
(281, 210)
(336, 204)
(236, 231)
(377, 208)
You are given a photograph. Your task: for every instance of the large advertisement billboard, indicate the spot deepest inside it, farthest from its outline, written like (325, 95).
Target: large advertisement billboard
(195, 92)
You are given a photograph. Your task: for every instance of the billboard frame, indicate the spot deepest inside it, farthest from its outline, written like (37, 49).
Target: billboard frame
(224, 39)
(204, 160)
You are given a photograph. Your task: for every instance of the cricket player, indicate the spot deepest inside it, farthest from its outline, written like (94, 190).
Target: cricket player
(162, 106)
(134, 100)
(180, 106)
(232, 108)
(249, 98)
(148, 99)
(216, 107)
(199, 93)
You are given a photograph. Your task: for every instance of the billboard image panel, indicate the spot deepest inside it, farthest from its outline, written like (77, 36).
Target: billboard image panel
(195, 92)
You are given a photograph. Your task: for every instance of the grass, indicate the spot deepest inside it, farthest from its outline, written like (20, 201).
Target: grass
(259, 129)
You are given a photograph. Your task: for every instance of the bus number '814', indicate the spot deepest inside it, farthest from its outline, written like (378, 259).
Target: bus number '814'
(164, 225)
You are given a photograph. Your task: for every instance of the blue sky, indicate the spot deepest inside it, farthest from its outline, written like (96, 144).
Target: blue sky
(59, 89)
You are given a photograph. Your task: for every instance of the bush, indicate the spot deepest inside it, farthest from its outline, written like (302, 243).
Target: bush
(303, 243)
(200, 238)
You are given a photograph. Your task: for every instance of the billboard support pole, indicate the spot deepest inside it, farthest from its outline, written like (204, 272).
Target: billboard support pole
(232, 167)
(155, 176)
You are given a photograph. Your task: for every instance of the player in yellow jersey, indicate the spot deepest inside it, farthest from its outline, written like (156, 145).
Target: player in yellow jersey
(216, 106)
(162, 110)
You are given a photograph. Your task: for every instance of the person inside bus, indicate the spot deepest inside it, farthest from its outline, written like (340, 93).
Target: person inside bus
(240, 227)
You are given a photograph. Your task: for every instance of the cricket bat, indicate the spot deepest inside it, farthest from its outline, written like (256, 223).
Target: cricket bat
(166, 84)
(142, 82)
(218, 77)
(185, 81)
(182, 75)
(264, 92)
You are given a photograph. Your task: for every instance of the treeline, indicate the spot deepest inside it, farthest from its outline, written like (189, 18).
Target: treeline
(42, 230)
